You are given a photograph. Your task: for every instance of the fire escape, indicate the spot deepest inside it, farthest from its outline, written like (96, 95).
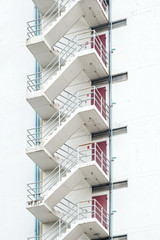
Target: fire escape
(67, 55)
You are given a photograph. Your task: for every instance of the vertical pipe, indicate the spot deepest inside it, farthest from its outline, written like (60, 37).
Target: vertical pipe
(110, 125)
(37, 125)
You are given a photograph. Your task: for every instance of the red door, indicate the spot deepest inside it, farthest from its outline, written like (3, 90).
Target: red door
(99, 209)
(98, 98)
(100, 46)
(99, 152)
(103, 4)
(101, 94)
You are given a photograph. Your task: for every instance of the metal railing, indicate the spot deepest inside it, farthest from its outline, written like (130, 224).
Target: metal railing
(83, 154)
(37, 26)
(68, 48)
(81, 98)
(82, 211)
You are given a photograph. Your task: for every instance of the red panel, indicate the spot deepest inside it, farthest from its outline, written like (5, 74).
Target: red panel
(100, 212)
(101, 152)
(103, 53)
(100, 46)
(103, 4)
(103, 39)
(100, 100)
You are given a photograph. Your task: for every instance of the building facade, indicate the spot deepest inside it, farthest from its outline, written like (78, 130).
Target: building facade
(91, 165)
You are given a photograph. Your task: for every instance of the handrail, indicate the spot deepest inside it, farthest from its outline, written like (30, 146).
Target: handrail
(81, 98)
(37, 191)
(36, 26)
(47, 18)
(80, 211)
(82, 41)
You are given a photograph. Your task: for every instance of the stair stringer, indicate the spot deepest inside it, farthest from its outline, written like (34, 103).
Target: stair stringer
(81, 116)
(63, 23)
(89, 226)
(89, 171)
(43, 212)
(44, 6)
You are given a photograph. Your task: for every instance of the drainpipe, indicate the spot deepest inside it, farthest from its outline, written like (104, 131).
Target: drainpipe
(110, 125)
(37, 124)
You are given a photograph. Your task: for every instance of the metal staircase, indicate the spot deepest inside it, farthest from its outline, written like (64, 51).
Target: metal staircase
(86, 162)
(88, 216)
(85, 107)
(77, 55)
(45, 32)
(67, 57)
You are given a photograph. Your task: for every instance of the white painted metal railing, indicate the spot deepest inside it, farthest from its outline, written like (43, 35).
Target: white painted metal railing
(68, 47)
(81, 98)
(37, 26)
(83, 154)
(82, 211)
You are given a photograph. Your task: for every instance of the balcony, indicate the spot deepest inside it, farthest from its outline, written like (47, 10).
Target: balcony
(87, 217)
(44, 6)
(87, 162)
(43, 212)
(85, 108)
(84, 55)
(45, 32)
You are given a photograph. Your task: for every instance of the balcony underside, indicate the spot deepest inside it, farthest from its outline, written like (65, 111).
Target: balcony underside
(91, 172)
(43, 213)
(40, 156)
(42, 104)
(44, 6)
(88, 116)
(42, 46)
(91, 227)
(86, 63)
(41, 50)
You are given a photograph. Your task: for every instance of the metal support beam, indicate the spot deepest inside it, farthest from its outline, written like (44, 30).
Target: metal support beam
(115, 24)
(116, 131)
(120, 237)
(115, 78)
(105, 187)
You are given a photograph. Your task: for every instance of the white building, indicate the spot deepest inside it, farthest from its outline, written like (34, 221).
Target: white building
(92, 183)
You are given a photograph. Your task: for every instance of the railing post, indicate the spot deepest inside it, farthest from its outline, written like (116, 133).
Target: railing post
(101, 159)
(78, 212)
(94, 208)
(59, 63)
(59, 173)
(77, 100)
(94, 96)
(59, 227)
(94, 39)
(101, 51)
(77, 43)
(59, 7)
(59, 119)
(95, 151)
(78, 156)
(101, 104)
(102, 215)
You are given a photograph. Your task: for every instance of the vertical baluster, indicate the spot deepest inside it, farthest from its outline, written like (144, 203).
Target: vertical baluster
(102, 215)
(59, 119)
(94, 96)
(78, 212)
(59, 173)
(101, 104)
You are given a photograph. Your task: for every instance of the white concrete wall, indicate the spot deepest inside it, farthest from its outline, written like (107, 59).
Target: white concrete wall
(16, 116)
(138, 52)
